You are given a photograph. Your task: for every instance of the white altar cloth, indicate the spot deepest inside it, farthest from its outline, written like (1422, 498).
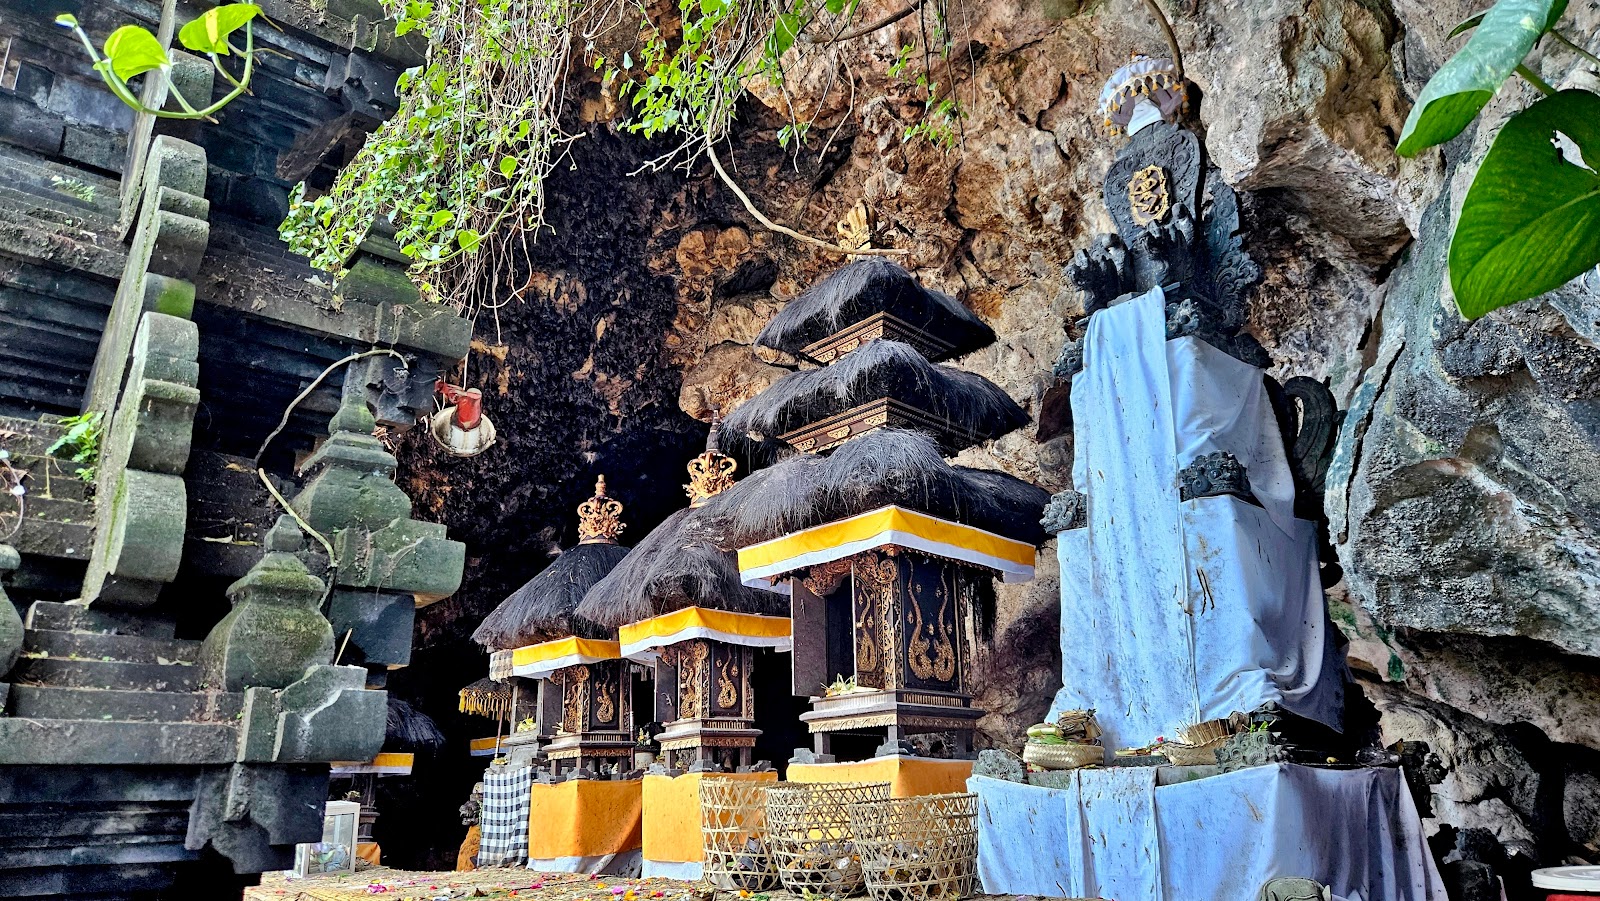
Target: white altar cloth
(1116, 835)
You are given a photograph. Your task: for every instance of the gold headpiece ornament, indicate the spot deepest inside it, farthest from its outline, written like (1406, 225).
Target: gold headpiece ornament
(600, 517)
(855, 229)
(711, 473)
(1156, 80)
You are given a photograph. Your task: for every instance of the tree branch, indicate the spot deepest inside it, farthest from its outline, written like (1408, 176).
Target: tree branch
(750, 207)
(1166, 31)
(864, 30)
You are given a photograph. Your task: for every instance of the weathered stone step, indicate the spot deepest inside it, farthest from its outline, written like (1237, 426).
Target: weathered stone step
(46, 538)
(57, 826)
(50, 477)
(134, 882)
(115, 674)
(51, 702)
(55, 509)
(105, 620)
(120, 648)
(44, 205)
(88, 742)
(29, 436)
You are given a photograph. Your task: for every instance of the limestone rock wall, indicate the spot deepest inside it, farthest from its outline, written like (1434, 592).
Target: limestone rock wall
(1466, 488)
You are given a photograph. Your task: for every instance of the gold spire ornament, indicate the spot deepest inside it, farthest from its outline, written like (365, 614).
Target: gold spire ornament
(600, 517)
(711, 473)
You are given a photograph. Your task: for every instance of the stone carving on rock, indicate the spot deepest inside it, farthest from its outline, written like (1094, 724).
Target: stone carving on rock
(1066, 510)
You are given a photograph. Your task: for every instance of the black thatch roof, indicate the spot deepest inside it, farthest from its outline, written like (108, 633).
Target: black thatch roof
(865, 287)
(682, 563)
(543, 609)
(970, 403)
(409, 729)
(888, 466)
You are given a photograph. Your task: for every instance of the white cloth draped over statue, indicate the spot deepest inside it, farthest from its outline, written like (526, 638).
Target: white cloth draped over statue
(1177, 612)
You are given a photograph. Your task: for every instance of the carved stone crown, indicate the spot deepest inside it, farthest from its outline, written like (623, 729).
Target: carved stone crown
(711, 473)
(600, 517)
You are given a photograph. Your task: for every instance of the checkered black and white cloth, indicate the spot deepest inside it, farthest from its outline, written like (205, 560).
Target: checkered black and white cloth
(500, 666)
(503, 819)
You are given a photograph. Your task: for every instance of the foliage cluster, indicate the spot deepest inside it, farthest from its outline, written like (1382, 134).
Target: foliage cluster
(1531, 220)
(80, 444)
(468, 152)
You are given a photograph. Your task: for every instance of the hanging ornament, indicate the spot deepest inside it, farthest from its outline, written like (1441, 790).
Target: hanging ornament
(462, 429)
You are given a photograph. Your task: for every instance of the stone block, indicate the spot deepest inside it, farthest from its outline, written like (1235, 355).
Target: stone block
(276, 629)
(328, 716)
(140, 542)
(407, 555)
(25, 125)
(379, 625)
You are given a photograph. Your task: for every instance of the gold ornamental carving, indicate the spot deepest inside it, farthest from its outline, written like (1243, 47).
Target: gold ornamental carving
(875, 578)
(824, 578)
(727, 691)
(691, 675)
(605, 701)
(600, 517)
(936, 637)
(1148, 197)
(574, 696)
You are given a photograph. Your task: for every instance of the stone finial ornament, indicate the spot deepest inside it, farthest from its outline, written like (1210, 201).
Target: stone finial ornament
(600, 517)
(1145, 90)
(711, 473)
(1066, 510)
(1294, 888)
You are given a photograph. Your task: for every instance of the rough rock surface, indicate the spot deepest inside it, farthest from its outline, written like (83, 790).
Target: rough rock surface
(1463, 501)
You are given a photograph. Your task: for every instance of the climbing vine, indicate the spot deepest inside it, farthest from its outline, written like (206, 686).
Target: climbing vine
(461, 168)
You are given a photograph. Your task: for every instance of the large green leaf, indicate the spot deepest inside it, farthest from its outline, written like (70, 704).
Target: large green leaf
(209, 32)
(1463, 85)
(1531, 220)
(131, 51)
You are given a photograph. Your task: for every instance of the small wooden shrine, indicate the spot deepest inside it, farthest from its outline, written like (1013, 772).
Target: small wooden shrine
(680, 608)
(571, 698)
(888, 552)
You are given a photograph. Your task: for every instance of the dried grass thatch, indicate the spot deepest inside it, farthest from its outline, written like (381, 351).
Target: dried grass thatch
(970, 403)
(682, 563)
(888, 466)
(409, 729)
(869, 286)
(543, 609)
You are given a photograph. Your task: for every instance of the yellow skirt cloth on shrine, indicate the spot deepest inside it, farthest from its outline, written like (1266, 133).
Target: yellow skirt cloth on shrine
(672, 816)
(584, 818)
(908, 777)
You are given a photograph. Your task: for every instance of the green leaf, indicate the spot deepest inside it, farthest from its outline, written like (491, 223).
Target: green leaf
(835, 6)
(441, 218)
(209, 32)
(784, 30)
(133, 51)
(712, 7)
(67, 20)
(1531, 220)
(468, 239)
(1463, 85)
(1467, 25)
(508, 165)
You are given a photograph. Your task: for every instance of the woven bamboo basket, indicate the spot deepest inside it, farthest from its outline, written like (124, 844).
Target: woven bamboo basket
(1062, 757)
(808, 829)
(1182, 754)
(733, 823)
(918, 849)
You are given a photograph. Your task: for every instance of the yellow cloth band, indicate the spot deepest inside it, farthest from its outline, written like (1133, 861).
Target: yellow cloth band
(640, 639)
(539, 660)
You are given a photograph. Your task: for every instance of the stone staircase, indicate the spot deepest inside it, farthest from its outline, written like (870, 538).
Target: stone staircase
(110, 702)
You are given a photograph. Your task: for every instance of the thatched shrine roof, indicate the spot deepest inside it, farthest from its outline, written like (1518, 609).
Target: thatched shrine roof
(684, 562)
(545, 608)
(409, 729)
(966, 408)
(888, 466)
(867, 287)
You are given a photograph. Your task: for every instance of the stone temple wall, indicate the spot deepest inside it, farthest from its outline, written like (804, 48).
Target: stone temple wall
(1463, 498)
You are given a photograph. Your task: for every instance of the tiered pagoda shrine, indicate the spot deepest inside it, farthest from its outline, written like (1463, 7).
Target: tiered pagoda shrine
(567, 674)
(678, 606)
(887, 551)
